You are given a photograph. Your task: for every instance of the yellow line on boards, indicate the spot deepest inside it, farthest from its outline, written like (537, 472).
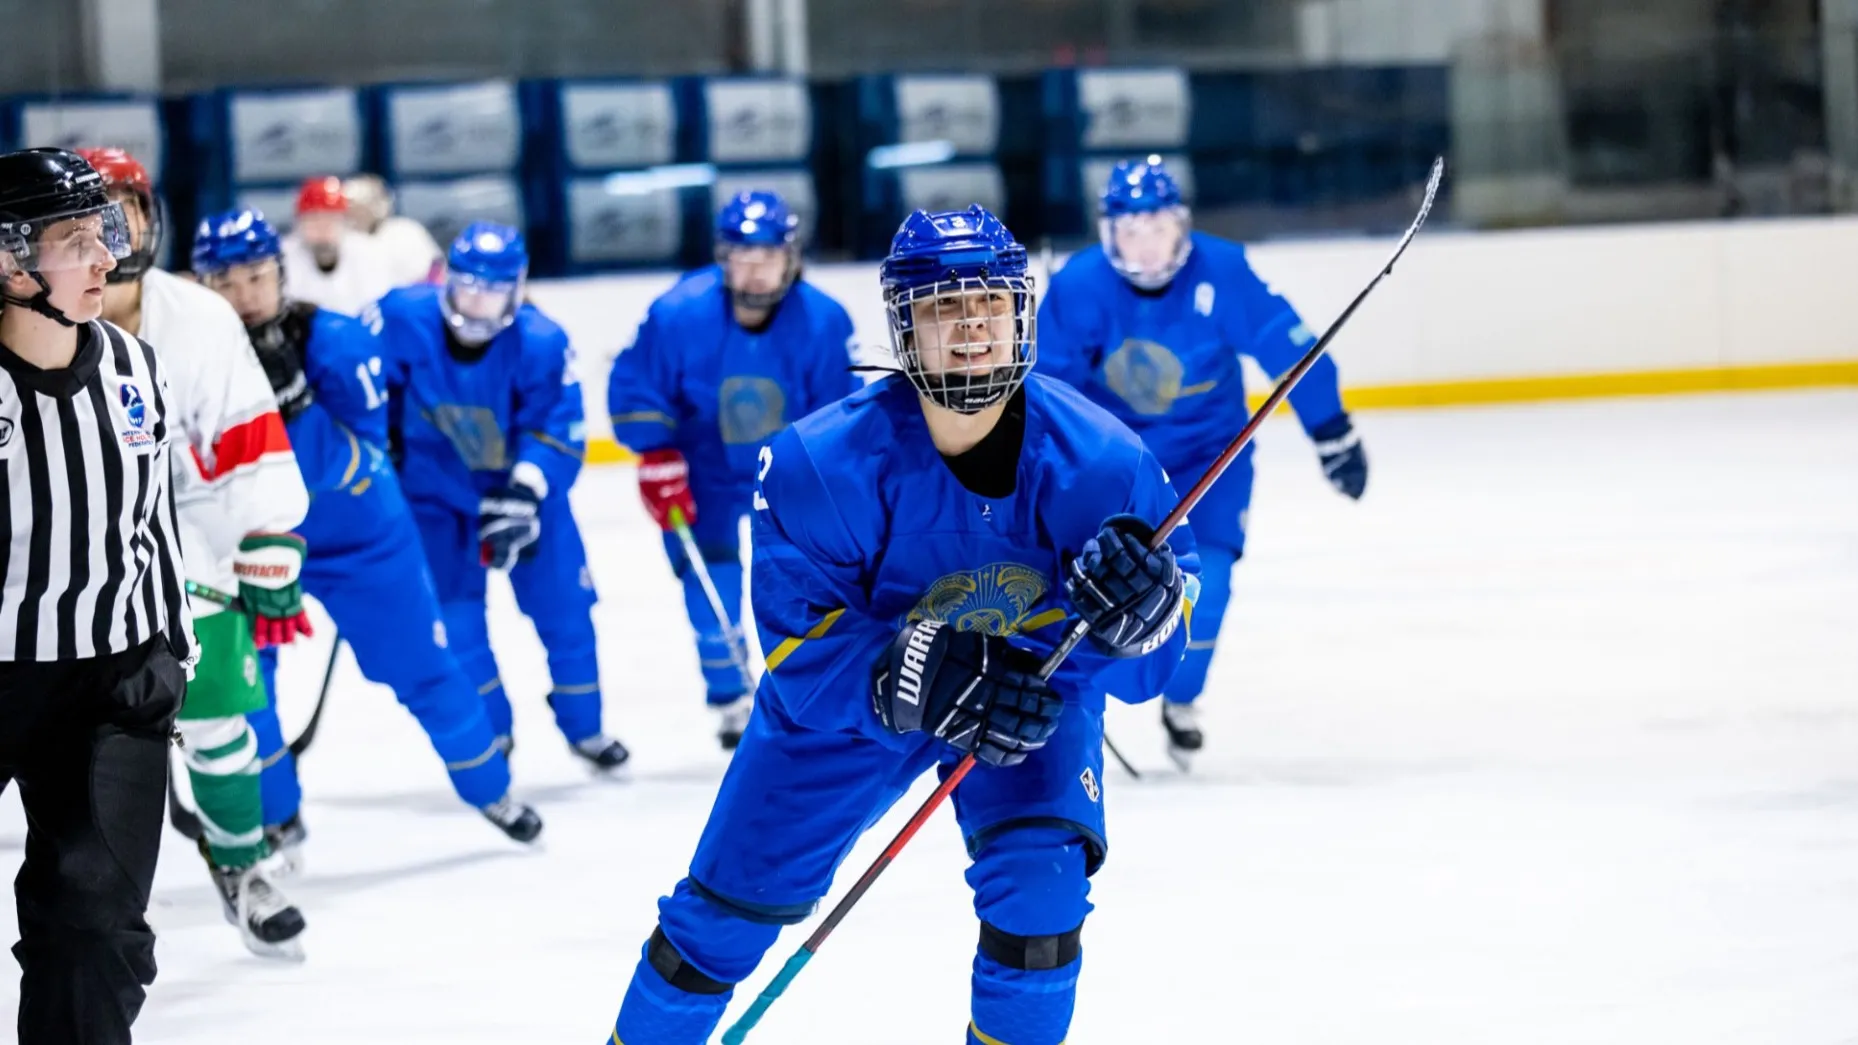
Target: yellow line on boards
(1527, 390)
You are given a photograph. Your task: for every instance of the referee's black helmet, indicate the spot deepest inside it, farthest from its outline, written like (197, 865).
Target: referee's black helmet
(38, 189)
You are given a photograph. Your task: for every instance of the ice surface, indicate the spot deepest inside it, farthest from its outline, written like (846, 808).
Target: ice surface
(1552, 739)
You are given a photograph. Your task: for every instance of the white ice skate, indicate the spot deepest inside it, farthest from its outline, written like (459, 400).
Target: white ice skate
(732, 719)
(1182, 721)
(268, 922)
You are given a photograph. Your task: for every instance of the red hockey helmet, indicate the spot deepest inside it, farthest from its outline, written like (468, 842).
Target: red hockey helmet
(124, 173)
(322, 195)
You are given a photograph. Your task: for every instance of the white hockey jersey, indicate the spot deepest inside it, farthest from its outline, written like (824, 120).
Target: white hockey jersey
(413, 256)
(361, 277)
(241, 476)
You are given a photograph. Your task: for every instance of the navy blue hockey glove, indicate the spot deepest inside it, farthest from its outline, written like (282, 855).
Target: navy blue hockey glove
(1130, 595)
(1338, 447)
(508, 523)
(967, 687)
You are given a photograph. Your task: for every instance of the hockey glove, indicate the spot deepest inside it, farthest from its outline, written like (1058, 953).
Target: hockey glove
(269, 567)
(509, 519)
(969, 688)
(1130, 595)
(664, 484)
(1344, 461)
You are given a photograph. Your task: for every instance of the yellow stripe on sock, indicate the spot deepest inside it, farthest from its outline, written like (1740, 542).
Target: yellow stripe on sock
(986, 1038)
(787, 646)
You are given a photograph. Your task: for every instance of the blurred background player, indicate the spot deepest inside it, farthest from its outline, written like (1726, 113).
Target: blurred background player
(725, 359)
(326, 262)
(365, 564)
(1151, 324)
(486, 424)
(411, 254)
(238, 497)
(901, 538)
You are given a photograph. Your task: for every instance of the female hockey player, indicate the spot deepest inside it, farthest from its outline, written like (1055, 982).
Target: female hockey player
(240, 500)
(918, 547)
(725, 359)
(487, 426)
(1150, 325)
(365, 564)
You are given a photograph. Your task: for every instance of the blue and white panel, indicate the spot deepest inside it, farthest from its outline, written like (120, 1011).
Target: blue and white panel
(1134, 108)
(952, 186)
(794, 186)
(627, 219)
(961, 110)
(130, 124)
(455, 129)
(446, 207)
(606, 126)
(294, 135)
(758, 121)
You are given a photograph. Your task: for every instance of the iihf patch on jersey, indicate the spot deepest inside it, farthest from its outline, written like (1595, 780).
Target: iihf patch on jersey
(1089, 780)
(133, 405)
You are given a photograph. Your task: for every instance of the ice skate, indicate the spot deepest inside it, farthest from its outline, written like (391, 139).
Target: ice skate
(1182, 721)
(270, 925)
(732, 719)
(514, 819)
(286, 842)
(602, 753)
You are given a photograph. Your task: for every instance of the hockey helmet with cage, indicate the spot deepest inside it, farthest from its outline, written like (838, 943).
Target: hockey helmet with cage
(965, 272)
(121, 171)
(1136, 188)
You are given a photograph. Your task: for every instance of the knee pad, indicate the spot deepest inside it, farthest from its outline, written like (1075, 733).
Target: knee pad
(219, 746)
(1032, 952)
(668, 963)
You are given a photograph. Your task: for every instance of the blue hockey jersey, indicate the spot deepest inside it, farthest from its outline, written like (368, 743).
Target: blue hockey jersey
(1167, 363)
(462, 426)
(340, 438)
(860, 526)
(697, 381)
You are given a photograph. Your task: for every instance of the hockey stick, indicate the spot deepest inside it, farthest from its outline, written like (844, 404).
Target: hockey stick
(738, 1031)
(738, 649)
(302, 743)
(1110, 746)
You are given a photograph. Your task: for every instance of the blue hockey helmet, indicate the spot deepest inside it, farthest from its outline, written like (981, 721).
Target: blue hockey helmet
(234, 237)
(486, 269)
(1145, 224)
(960, 305)
(758, 221)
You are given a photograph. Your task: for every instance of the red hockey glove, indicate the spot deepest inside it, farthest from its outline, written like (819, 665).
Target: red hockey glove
(664, 484)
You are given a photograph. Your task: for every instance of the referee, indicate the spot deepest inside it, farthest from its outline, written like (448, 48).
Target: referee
(95, 641)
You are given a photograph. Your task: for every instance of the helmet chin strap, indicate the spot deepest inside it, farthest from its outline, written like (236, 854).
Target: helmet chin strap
(40, 302)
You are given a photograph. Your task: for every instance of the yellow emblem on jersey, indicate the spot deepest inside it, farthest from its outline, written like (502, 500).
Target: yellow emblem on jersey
(474, 433)
(750, 409)
(995, 599)
(1147, 376)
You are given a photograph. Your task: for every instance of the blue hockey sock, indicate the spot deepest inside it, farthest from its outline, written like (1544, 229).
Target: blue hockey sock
(1209, 612)
(1022, 1006)
(277, 780)
(656, 1013)
(721, 678)
(577, 710)
(479, 772)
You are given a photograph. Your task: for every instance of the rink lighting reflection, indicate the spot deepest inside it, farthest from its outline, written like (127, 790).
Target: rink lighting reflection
(659, 179)
(910, 154)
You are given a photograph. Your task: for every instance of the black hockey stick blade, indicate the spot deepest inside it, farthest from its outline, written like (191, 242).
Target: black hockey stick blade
(186, 823)
(302, 743)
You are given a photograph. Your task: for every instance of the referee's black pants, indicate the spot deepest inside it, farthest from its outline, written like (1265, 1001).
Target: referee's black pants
(87, 741)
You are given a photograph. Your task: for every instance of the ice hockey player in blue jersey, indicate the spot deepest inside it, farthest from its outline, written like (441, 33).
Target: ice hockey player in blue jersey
(365, 564)
(918, 547)
(1151, 324)
(485, 422)
(725, 359)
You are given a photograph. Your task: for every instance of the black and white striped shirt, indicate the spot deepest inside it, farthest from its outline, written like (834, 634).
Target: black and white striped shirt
(90, 561)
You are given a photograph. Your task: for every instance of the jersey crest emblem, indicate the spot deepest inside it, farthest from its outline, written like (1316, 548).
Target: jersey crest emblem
(474, 433)
(749, 410)
(133, 406)
(1147, 376)
(995, 599)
